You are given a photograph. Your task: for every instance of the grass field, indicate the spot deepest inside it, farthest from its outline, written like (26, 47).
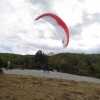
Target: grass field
(20, 87)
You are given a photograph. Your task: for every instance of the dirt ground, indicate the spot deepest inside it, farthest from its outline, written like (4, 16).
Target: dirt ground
(19, 87)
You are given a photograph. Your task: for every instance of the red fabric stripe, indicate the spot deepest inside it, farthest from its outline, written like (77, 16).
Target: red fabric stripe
(60, 22)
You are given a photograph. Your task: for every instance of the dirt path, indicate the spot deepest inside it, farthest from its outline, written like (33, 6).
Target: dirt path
(53, 75)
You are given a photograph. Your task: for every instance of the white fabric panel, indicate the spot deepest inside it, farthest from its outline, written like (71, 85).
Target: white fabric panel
(59, 29)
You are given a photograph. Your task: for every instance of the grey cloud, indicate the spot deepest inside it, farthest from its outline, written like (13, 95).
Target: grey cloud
(95, 36)
(54, 34)
(88, 19)
(23, 31)
(44, 2)
(78, 50)
(4, 4)
(96, 49)
(14, 38)
(44, 5)
(41, 34)
(10, 42)
(81, 44)
(81, 1)
(77, 29)
(17, 41)
(55, 37)
(96, 17)
(44, 47)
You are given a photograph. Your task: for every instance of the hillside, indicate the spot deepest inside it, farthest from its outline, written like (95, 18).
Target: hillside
(80, 64)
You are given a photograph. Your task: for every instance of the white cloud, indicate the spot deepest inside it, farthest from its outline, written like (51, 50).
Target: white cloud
(19, 33)
(69, 11)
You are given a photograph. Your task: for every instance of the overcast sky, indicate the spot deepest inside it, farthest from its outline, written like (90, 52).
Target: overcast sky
(20, 34)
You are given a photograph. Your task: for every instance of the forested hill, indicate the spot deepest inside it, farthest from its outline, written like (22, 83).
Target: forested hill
(81, 64)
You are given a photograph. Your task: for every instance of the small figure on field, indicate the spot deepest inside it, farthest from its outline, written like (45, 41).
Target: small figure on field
(8, 65)
(1, 62)
(46, 67)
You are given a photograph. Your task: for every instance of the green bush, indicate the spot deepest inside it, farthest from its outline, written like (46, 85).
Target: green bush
(1, 71)
(97, 75)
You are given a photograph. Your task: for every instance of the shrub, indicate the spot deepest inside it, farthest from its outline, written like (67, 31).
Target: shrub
(1, 71)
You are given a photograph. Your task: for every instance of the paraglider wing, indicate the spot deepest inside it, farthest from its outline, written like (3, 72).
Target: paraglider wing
(59, 24)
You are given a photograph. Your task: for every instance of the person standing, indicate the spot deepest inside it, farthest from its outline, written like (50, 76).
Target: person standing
(1, 62)
(46, 68)
(8, 65)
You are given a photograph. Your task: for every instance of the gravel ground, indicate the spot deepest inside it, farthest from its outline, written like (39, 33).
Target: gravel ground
(52, 75)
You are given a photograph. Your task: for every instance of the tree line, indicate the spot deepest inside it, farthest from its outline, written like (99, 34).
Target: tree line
(80, 64)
